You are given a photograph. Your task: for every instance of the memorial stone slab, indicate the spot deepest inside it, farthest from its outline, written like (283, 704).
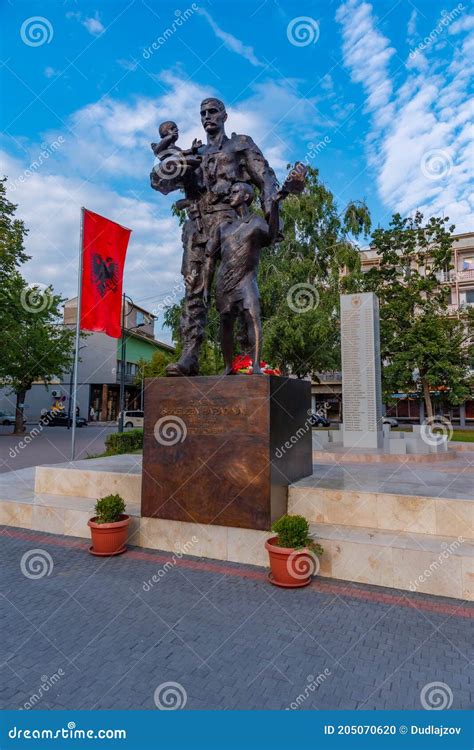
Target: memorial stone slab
(361, 371)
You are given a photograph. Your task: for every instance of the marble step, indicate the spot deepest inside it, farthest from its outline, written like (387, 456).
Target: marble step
(384, 511)
(93, 478)
(443, 566)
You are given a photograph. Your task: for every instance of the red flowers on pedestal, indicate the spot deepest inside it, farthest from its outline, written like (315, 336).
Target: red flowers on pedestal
(242, 365)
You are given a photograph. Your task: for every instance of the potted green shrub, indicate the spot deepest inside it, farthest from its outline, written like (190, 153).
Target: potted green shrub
(294, 556)
(109, 526)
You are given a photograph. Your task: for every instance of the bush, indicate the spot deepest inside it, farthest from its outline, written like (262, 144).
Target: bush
(123, 442)
(108, 509)
(293, 531)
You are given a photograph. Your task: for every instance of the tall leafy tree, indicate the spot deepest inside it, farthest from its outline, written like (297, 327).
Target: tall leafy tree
(36, 346)
(302, 277)
(423, 348)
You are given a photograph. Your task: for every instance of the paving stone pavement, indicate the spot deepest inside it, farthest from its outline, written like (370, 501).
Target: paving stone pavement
(88, 634)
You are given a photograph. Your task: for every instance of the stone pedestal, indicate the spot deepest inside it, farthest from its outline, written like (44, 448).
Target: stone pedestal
(223, 450)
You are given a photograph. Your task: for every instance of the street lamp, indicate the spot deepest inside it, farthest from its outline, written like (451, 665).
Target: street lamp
(122, 358)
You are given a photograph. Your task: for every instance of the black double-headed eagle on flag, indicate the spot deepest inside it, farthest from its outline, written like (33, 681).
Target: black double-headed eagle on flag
(105, 274)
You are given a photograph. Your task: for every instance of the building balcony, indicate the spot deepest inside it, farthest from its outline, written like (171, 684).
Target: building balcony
(454, 309)
(330, 377)
(461, 276)
(129, 379)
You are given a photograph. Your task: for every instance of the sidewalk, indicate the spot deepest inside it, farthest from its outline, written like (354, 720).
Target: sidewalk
(103, 633)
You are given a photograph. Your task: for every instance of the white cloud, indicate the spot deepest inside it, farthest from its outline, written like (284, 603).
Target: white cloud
(418, 143)
(411, 28)
(367, 54)
(464, 24)
(231, 42)
(103, 163)
(51, 72)
(94, 25)
(50, 206)
(131, 65)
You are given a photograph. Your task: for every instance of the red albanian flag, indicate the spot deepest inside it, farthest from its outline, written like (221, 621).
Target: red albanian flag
(103, 259)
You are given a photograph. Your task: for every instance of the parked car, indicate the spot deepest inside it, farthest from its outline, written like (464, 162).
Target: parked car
(60, 420)
(317, 420)
(8, 418)
(132, 419)
(391, 421)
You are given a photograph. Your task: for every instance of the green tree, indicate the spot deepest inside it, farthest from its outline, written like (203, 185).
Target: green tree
(12, 236)
(36, 347)
(154, 367)
(300, 282)
(301, 278)
(422, 347)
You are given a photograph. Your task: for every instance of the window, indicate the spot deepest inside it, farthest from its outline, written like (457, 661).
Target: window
(470, 296)
(468, 263)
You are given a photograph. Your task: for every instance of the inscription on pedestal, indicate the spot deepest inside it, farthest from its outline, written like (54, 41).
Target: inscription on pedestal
(361, 377)
(214, 448)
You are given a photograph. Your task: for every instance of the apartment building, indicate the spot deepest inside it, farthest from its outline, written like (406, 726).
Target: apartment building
(461, 282)
(99, 370)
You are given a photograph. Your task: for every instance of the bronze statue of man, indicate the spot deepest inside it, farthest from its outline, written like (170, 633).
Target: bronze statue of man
(207, 187)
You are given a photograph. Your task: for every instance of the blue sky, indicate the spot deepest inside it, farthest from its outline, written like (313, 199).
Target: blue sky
(382, 87)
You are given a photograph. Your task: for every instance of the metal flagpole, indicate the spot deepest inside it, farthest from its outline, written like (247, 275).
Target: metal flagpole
(78, 335)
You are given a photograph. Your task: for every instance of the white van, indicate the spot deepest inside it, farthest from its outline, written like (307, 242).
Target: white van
(132, 419)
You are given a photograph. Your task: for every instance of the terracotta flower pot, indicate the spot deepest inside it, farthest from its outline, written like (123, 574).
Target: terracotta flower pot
(108, 538)
(290, 568)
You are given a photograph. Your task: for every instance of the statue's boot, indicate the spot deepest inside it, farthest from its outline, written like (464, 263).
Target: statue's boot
(188, 364)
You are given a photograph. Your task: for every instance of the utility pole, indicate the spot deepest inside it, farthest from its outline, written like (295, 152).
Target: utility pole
(123, 359)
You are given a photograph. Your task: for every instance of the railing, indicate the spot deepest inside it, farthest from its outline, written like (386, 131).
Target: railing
(459, 308)
(465, 275)
(129, 379)
(445, 277)
(330, 377)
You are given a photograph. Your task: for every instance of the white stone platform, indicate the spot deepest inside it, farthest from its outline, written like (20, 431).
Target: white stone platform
(405, 527)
